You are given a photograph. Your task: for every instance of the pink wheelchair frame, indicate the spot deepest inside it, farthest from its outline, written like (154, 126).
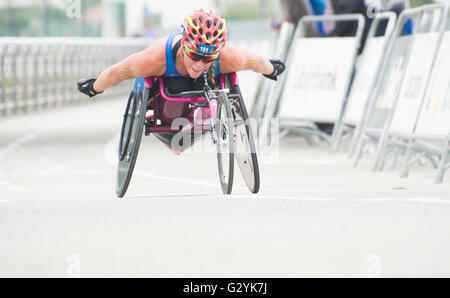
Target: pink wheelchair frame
(233, 131)
(164, 109)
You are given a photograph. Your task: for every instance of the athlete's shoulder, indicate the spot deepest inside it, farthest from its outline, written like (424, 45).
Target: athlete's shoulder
(159, 42)
(157, 48)
(153, 57)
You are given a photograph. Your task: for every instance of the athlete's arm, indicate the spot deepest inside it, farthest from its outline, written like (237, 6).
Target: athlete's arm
(148, 62)
(233, 59)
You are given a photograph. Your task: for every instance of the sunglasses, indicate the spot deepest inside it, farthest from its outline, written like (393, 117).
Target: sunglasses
(197, 57)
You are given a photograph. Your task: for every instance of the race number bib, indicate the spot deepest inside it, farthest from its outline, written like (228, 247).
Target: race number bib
(205, 49)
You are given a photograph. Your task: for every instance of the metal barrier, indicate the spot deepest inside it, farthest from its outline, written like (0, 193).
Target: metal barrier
(433, 121)
(271, 91)
(310, 60)
(367, 72)
(38, 73)
(265, 95)
(401, 78)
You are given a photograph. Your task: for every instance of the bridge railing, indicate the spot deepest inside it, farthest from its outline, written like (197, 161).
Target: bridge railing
(38, 73)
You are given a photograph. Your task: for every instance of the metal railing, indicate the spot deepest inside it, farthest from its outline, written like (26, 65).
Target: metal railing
(388, 91)
(274, 107)
(39, 73)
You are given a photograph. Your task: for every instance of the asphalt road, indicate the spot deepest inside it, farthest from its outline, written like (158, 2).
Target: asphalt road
(315, 215)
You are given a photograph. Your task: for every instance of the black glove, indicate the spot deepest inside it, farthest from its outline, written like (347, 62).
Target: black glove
(278, 68)
(86, 86)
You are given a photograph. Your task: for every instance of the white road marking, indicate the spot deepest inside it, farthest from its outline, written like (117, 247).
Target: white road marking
(327, 161)
(110, 155)
(14, 145)
(353, 200)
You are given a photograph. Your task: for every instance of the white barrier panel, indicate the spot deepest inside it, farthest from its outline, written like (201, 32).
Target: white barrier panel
(404, 88)
(318, 79)
(416, 74)
(389, 83)
(364, 78)
(387, 87)
(435, 115)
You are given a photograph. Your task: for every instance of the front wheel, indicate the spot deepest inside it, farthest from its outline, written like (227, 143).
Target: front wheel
(245, 149)
(225, 143)
(130, 139)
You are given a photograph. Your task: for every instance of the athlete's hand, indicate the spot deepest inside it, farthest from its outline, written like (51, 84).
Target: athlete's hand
(86, 86)
(278, 68)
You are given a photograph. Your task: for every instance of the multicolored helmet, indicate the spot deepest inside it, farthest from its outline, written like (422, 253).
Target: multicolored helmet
(204, 32)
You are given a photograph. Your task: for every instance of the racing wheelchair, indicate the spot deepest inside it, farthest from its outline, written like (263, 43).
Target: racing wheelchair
(152, 109)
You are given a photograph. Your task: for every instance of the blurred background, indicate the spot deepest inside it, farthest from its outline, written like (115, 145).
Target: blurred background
(127, 18)
(122, 18)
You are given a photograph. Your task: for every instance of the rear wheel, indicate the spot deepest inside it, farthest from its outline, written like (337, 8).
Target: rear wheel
(225, 144)
(130, 138)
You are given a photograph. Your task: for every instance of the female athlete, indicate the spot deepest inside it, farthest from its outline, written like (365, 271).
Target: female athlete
(182, 58)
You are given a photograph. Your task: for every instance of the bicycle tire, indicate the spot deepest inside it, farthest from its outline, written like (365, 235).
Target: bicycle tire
(245, 149)
(224, 125)
(122, 148)
(126, 165)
